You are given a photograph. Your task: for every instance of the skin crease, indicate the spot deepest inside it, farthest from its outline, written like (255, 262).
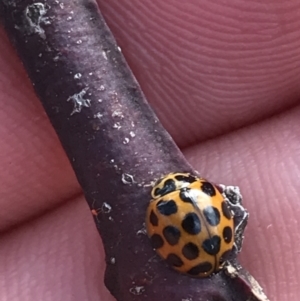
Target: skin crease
(232, 67)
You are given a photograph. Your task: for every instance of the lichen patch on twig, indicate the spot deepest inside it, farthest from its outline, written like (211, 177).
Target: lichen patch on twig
(79, 101)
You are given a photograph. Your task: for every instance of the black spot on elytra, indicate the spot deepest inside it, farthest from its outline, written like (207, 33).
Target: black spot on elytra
(225, 256)
(166, 207)
(203, 267)
(153, 219)
(225, 210)
(208, 188)
(174, 260)
(212, 215)
(185, 179)
(184, 196)
(190, 251)
(191, 223)
(169, 186)
(171, 234)
(157, 241)
(227, 234)
(212, 245)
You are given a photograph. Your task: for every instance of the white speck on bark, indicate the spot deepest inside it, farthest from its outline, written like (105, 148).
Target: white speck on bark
(117, 125)
(137, 290)
(106, 208)
(104, 55)
(127, 179)
(79, 102)
(126, 140)
(77, 75)
(98, 115)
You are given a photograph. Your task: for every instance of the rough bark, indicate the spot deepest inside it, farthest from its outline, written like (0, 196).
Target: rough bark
(114, 141)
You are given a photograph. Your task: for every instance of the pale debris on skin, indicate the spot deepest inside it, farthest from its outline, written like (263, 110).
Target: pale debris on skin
(106, 208)
(132, 134)
(79, 102)
(101, 88)
(112, 260)
(127, 179)
(137, 290)
(34, 17)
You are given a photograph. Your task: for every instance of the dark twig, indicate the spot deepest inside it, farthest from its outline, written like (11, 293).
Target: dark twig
(114, 141)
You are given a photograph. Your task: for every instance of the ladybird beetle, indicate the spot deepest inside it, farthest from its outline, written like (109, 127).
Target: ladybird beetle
(190, 224)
